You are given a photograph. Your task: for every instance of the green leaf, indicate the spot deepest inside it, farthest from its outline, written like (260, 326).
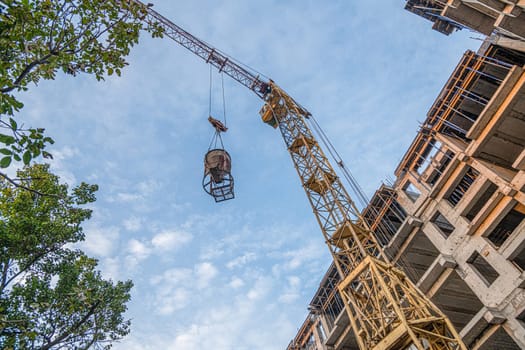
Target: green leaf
(14, 126)
(6, 151)
(49, 140)
(6, 139)
(5, 162)
(27, 157)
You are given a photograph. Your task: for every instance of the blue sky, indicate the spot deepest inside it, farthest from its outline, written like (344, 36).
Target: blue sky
(239, 274)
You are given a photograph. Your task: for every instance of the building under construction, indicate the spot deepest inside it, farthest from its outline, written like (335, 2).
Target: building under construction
(453, 219)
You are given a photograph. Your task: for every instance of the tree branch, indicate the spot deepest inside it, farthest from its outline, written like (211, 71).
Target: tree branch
(14, 183)
(31, 262)
(25, 72)
(77, 325)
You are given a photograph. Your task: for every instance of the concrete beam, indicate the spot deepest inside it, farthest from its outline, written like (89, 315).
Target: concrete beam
(474, 328)
(340, 324)
(470, 17)
(494, 316)
(509, 43)
(431, 276)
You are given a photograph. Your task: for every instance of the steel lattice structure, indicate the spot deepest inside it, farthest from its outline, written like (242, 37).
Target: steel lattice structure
(386, 310)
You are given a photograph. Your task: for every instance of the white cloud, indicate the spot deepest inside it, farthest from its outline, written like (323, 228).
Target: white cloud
(133, 223)
(138, 248)
(128, 197)
(148, 187)
(298, 257)
(177, 299)
(110, 268)
(100, 241)
(212, 251)
(189, 339)
(172, 290)
(242, 260)
(137, 252)
(59, 163)
(173, 277)
(170, 240)
(205, 272)
(260, 289)
(175, 287)
(292, 290)
(133, 192)
(236, 283)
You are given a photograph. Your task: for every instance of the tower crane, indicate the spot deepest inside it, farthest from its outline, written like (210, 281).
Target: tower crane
(386, 310)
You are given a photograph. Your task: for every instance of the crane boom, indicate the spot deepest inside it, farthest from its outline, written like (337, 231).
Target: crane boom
(209, 54)
(386, 310)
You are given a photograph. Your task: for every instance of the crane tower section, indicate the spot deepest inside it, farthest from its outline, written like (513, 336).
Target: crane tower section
(385, 309)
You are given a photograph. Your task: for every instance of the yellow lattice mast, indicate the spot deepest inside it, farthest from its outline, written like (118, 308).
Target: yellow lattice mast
(386, 310)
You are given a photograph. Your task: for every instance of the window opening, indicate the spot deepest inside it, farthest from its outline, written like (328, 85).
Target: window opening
(466, 181)
(481, 201)
(425, 159)
(487, 272)
(507, 225)
(411, 191)
(322, 333)
(436, 173)
(444, 226)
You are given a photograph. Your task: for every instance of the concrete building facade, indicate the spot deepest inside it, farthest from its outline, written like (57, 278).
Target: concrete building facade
(503, 17)
(453, 220)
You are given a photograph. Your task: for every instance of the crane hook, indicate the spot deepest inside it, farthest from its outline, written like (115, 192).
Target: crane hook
(217, 124)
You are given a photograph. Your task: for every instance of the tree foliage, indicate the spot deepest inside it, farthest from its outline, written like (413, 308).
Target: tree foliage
(51, 296)
(38, 38)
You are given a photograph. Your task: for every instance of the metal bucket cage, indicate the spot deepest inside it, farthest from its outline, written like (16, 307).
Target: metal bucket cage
(217, 180)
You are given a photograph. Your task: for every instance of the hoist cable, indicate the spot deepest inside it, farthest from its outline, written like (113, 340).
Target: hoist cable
(209, 100)
(216, 139)
(223, 101)
(363, 200)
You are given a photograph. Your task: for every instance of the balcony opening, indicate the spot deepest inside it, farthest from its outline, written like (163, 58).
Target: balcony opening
(464, 184)
(481, 201)
(411, 191)
(386, 225)
(443, 163)
(321, 332)
(443, 225)
(487, 273)
(384, 215)
(469, 90)
(426, 157)
(507, 225)
(509, 56)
